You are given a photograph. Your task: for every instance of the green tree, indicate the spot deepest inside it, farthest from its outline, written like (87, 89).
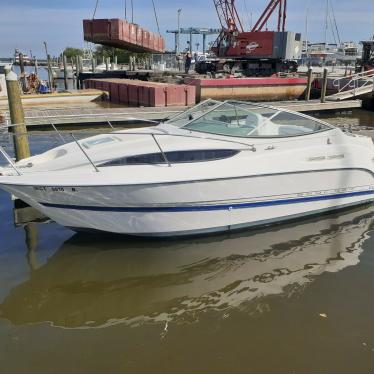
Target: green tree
(70, 52)
(123, 56)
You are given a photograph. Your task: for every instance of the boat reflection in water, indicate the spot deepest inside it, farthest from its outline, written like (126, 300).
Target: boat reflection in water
(91, 283)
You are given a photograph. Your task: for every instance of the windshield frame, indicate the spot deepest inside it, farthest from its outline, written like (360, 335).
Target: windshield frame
(242, 106)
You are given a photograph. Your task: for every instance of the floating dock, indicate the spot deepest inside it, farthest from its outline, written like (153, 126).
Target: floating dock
(66, 97)
(119, 33)
(141, 93)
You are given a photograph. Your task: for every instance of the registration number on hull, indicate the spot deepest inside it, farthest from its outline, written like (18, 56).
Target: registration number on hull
(54, 189)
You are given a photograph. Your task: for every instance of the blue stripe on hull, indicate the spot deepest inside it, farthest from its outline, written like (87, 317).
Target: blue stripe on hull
(208, 207)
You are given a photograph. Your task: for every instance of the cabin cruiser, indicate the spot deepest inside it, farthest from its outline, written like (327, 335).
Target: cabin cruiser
(216, 167)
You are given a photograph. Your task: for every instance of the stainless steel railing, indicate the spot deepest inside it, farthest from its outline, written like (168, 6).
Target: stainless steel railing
(154, 136)
(355, 81)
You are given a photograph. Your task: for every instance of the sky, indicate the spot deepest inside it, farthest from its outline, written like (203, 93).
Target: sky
(25, 24)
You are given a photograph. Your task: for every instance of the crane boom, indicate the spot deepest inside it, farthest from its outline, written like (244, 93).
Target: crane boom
(228, 15)
(267, 13)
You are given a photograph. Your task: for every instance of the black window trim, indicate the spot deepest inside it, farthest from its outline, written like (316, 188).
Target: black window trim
(233, 153)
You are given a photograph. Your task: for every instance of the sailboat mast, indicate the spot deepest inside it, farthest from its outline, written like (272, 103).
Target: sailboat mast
(306, 26)
(326, 21)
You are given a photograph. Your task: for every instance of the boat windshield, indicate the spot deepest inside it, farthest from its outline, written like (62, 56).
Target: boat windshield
(241, 119)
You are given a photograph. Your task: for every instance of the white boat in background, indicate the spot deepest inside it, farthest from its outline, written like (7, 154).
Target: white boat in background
(3, 66)
(219, 166)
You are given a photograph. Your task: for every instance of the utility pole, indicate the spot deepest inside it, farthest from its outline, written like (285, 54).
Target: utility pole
(177, 47)
(50, 74)
(324, 86)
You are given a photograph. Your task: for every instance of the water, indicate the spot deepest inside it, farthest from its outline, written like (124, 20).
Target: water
(356, 117)
(293, 298)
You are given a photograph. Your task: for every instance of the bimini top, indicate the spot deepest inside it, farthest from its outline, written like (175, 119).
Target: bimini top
(246, 120)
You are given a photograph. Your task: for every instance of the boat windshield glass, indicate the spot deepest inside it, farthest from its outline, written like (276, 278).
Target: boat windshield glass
(197, 111)
(242, 119)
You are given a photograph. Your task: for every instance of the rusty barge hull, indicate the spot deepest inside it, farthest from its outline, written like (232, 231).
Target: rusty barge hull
(114, 32)
(251, 89)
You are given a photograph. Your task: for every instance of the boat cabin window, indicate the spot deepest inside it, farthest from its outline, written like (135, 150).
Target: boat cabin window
(174, 157)
(248, 120)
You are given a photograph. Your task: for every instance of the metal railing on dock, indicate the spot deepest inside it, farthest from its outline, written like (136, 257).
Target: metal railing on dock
(353, 85)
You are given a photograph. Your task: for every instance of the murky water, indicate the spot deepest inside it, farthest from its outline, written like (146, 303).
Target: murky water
(293, 298)
(356, 117)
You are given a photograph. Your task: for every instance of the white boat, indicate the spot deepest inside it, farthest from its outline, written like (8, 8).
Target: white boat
(216, 167)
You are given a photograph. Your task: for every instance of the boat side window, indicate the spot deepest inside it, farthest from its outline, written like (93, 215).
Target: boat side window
(291, 124)
(174, 157)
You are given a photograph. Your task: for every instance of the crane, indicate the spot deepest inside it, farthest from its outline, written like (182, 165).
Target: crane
(228, 15)
(254, 52)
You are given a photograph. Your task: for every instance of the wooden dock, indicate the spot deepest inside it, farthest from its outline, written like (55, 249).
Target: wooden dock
(70, 97)
(93, 116)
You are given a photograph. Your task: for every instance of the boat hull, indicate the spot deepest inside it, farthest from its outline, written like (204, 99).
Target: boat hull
(195, 207)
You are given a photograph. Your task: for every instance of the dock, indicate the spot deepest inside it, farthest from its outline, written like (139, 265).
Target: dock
(66, 97)
(93, 116)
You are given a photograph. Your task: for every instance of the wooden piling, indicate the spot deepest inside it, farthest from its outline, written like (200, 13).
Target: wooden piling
(72, 60)
(93, 62)
(64, 61)
(20, 139)
(77, 70)
(80, 64)
(309, 85)
(50, 74)
(324, 86)
(36, 66)
(107, 62)
(23, 74)
(49, 67)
